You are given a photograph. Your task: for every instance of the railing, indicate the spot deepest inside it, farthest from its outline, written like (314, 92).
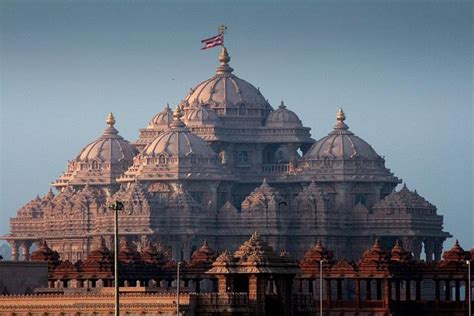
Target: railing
(275, 168)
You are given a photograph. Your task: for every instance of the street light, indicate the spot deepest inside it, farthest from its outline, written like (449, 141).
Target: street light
(321, 287)
(116, 206)
(469, 296)
(177, 289)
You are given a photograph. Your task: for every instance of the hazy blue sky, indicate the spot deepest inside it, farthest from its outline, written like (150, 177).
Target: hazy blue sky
(401, 70)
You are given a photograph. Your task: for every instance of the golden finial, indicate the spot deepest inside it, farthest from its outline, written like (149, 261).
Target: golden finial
(110, 119)
(340, 116)
(177, 113)
(224, 59)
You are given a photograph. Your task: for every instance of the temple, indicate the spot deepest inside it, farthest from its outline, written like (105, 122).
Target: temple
(254, 279)
(220, 165)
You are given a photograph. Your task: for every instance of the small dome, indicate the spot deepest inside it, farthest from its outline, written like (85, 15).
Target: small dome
(227, 94)
(341, 144)
(162, 120)
(100, 162)
(110, 147)
(283, 118)
(201, 115)
(179, 142)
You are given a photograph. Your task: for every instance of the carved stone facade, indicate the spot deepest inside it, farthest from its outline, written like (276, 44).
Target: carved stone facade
(220, 166)
(253, 280)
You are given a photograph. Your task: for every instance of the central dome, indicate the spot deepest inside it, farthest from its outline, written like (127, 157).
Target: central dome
(227, 94)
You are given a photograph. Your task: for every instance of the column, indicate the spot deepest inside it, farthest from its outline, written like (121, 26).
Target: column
(357, 292)
(14, 246)
(379, 289)
(25, 249)
(438, 249)
(437, 291)
(447, 293)
(457, 292)
(329, 292)
(429, 249)
(310, 286)
(224, 284)
(397, 290)
(213, 205)
(197, 285)
(292, 158)
(368, 290)
(418, 290)
(299, 285)
(387, 291)
(408, 290)
(339, 289)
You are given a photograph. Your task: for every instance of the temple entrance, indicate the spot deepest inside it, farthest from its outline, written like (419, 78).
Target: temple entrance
(241, 284)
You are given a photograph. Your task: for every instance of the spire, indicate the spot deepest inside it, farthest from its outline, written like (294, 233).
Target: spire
(224, 59)
(340, 118)
(282, 105)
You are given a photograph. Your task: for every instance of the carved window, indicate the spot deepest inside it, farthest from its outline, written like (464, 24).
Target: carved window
(360, 198)
(242, 157)
(162, 159)
(95, 165)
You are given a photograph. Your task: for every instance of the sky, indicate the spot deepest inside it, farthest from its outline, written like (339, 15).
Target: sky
(402, 71)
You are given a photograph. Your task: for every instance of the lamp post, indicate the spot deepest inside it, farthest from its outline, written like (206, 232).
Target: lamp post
(321, 287)
(177, 289)
(469, 294)
(116, 206)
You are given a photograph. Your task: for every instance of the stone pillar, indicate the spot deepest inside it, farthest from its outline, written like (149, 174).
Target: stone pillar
(225, 283)
(457, 290)
(339, 289)
(438, 249)
(414, 245)
(212, 204)
(437, 291)
(299, 285)
(257, 293)
(387, 292)
(329, 292)
(197, 285)
(14, 246)
(368, 290)
(25, 249)
(357, 292)
(447, 292)
(292, 153)
(418, 290)
(429, 249)
(397, 290)
(407, 290)
(379, 289)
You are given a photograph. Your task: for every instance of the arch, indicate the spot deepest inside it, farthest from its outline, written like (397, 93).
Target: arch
(162, 159)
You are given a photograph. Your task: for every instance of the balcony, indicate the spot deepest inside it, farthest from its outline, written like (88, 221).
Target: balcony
(275, 168)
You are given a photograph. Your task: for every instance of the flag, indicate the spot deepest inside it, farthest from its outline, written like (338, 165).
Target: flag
(213, 41)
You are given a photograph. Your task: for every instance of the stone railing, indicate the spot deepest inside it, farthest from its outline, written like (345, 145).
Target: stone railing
(275, 168)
